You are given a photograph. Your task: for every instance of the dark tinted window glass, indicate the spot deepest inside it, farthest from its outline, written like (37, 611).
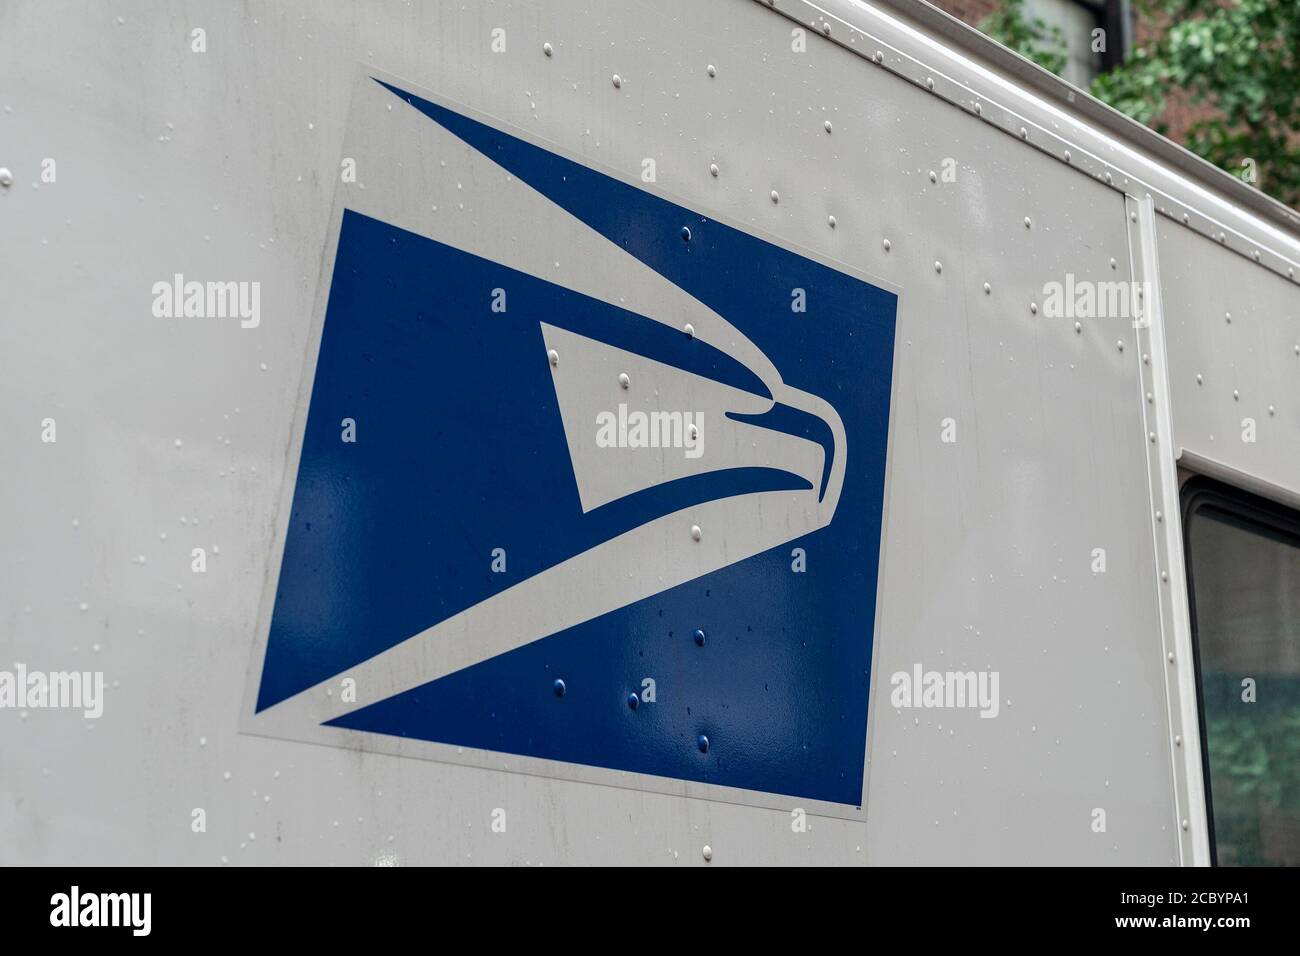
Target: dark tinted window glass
(1245, 579)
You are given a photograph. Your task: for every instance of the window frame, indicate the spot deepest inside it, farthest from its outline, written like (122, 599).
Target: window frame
(1116, 18)
(1197, 492)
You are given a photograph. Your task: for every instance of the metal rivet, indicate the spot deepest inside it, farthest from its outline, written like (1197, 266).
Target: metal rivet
(686, 233)
(1271, 410)
(1171, 657)
(1227, 317)
(624, 380)
(712, 70)
(1164, 575)
(6, 177)
(1146, 359)
(554, 356)
(826, 29)
(1067, 155)
(1078, 327)
(1024, 133)
(1186, 219)
(1028, 222)
(929, 82)
(1150, 399)
(699, 638)
(1033, 308)
(696, 533)
(1152, 437)
(938, 266)
(1178, 740)
(828, 126)
(618, 80)
(933, 177)
(1256, 255)
(559, 687)
(879, 57)
(713, 169)
(1109, 179)
(988, 289)
(1160, 517)
(1112, 262)
(887, 247)
(1120, 345)
(546, 48)
(776, 197)
(708, 853)
(689, 330)
(1236, 395)
(1184, 824)
(979, 109)
(1200, 379)
(830, 221)
(633, 701)
(703, 743)
(1133, 217)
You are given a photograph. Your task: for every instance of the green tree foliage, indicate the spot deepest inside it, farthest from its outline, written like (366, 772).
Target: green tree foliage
(1241, 58)
(1032, 38)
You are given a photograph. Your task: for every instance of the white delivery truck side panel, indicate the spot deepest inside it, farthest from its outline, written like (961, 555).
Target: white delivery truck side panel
(846, 234)
(1234, 353)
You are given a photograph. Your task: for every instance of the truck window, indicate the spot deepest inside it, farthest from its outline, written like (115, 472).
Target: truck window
(1243, 557)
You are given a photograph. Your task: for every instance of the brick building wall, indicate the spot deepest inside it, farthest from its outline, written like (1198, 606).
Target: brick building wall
(1180, 114)
(971, 11)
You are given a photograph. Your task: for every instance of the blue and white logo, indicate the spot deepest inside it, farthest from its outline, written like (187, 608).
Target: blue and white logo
(641, 536)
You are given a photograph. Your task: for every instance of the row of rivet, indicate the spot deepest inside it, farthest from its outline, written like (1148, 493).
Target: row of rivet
(1277, 262)
(1163, 557)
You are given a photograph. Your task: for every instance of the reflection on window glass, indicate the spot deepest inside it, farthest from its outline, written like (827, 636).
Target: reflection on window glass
(1245, 580)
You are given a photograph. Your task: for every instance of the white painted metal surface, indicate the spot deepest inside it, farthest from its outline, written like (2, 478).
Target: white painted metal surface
(899, 151)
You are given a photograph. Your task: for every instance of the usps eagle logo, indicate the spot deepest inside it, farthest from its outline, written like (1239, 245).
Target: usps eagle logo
(612, 495)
